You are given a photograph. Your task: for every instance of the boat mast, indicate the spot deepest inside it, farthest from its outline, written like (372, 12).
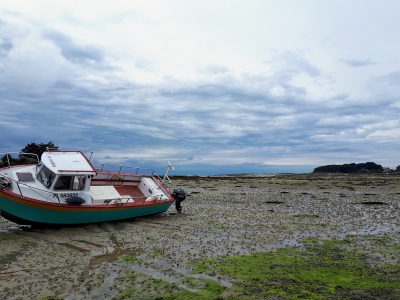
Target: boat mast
(166, 178)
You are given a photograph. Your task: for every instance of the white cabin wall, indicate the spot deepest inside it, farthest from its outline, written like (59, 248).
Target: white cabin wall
(148, 183)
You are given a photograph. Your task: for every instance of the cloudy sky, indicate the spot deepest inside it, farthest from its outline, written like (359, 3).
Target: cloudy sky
(211, 86)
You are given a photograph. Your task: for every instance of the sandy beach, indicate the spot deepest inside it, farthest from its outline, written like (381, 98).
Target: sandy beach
(159, 257)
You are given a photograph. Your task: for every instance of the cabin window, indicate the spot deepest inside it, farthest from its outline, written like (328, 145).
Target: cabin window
(46, 176)
(68, 182)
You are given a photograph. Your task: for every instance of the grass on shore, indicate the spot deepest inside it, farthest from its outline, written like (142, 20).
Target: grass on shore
(321, 270)
(324, 270)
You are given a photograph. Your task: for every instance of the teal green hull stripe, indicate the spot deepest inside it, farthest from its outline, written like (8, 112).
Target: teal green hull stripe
(35, 214)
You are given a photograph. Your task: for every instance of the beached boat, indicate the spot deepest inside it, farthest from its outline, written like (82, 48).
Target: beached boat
(64, 187)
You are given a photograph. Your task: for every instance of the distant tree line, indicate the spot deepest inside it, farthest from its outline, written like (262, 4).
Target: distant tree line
(350, 168)
(37, 149)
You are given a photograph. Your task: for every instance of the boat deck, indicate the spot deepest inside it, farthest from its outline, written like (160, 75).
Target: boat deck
(111, 194)
(133, 191)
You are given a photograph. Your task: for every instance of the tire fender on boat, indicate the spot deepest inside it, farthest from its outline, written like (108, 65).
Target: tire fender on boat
(75, 200)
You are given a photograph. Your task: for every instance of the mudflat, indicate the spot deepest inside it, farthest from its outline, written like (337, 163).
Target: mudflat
(310, 236)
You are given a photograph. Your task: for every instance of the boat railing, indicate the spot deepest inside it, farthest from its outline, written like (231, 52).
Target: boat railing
(7, 156)
(119, 168)
(150, 172)
(124, 200)
(4, 180)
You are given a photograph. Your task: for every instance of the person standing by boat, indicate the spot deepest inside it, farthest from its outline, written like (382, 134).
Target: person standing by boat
(179, 195)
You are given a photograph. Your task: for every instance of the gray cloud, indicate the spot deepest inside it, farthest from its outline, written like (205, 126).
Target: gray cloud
(73, 51)
(294, 63)
(392, 78)
(357, 62)
(5, 46)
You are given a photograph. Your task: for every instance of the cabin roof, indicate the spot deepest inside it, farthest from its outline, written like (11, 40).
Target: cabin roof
(67, 162)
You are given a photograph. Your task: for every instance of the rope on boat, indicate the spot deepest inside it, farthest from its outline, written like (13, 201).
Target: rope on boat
(4, 178)
(34, 190)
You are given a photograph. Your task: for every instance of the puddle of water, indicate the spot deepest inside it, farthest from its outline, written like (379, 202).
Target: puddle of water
(116, 242)
(71, 246)
(91, 243)
(13, 256)
(161, 269)
(9, 227)
(110, 257)
(105, 291)
(373, 230)
(99, 249)
(225, 283)
(9, 258)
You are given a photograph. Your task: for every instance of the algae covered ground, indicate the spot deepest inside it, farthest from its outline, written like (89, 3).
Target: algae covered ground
(239, 237)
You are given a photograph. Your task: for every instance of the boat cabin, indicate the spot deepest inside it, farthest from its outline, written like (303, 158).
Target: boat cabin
(64, 170)
(66, 173)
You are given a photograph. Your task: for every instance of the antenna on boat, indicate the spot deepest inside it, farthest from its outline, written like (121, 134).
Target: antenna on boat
(166, 178)
(91, 153)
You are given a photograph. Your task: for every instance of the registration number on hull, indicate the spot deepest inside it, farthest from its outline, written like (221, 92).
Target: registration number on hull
(65, 195)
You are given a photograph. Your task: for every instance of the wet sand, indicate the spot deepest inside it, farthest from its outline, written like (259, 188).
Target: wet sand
(221, 216)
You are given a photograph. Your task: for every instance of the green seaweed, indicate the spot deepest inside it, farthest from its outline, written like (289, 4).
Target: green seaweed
(128, 258)
(160, 289)
(324, 270)
(382, 241)
(309, 240)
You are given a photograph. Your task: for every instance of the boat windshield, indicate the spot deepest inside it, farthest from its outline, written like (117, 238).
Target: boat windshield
(46, 176)
(68, 182)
